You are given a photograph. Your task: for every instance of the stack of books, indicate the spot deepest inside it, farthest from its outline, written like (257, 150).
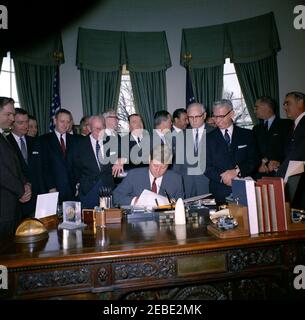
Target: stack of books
(265, 200)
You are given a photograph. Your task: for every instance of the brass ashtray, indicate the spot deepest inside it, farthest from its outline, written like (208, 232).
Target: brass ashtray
(31, 230)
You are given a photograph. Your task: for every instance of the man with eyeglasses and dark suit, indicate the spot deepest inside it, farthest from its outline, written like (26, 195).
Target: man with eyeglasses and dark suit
(193, 154)
(231, 152)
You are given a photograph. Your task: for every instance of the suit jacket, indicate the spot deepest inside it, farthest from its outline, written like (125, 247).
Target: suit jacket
(191, 167)
(138, 179)
(57, 168)
(86, 170)
(271, 143)
(32, 171)
(12, 183)
(295, 150)
(131, 149)
(242, 153)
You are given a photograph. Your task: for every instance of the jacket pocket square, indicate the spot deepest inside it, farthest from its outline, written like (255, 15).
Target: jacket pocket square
(275, 134)
(35, 152)
(242, 146)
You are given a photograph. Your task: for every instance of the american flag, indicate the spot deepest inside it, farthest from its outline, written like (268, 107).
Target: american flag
(55, 106)
(189, 93)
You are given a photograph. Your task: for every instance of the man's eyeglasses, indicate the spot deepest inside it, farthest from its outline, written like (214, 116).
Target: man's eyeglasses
(195, 117)
(221, 116)
(113, 117)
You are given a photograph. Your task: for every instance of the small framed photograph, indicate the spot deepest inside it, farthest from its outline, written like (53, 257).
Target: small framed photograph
(72, 212)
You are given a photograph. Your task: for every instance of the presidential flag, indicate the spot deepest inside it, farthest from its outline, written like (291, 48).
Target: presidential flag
(189, 93)
(55, 105)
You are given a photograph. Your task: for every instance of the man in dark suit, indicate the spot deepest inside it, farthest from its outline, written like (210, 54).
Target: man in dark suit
(135, 143)
(56, 156)
(93, 163)
(156, 178)
(13, 186)
(231, 152)
(28, 154)
(162, 129)
(294, 106)
(270, 135)
(190, 152)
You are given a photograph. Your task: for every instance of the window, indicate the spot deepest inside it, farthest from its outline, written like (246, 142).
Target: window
(126, 104)
(232, 91)
(8, 80)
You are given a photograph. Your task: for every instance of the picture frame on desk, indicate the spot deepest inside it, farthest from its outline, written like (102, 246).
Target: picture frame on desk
(293, 225)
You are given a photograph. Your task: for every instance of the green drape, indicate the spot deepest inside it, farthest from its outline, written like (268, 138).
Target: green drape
(256, 79)
(207, 85)
(100, 56)
(146, 51)
(149, 89)
(251, 44)
(34, 86)
(100, 90)
(35, 69)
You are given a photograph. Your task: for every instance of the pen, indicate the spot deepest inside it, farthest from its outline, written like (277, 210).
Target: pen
(157, 202)
(168, 198)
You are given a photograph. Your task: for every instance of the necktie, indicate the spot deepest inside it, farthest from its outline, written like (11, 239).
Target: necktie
(266, 125)
(139, 140)
(62, 145)
(227, 137)
(98, 153)
(196, 143)
(154, 186)
(23, 149)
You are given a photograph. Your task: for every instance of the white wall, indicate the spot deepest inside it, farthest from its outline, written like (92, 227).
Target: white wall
(171, 16)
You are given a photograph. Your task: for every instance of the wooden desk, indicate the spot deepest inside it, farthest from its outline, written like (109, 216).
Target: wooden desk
(148, 260)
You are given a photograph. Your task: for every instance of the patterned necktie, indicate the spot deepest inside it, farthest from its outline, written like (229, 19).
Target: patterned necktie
(196, 142)
(154, 186)
(23, 149)
(227, 137)
(98, 153)
(62, 145)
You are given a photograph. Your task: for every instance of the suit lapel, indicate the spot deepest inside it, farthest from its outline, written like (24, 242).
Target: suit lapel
(56, 146)
(90, 154)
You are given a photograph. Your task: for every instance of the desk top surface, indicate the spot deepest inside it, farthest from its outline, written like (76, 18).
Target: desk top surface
(128, 239)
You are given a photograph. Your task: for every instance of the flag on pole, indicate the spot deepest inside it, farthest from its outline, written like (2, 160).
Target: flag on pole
(55, 105)
(189, 93)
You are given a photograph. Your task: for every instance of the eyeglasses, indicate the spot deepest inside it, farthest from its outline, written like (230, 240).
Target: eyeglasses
(195, 117)
(113, 117)
(221, 116)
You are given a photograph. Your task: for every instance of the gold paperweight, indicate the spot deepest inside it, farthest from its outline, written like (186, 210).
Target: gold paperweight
(30, 230)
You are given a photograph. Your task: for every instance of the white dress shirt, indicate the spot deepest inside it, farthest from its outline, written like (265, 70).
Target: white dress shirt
(93, 143)
(63, 136)
(230, 131)
(17, 138)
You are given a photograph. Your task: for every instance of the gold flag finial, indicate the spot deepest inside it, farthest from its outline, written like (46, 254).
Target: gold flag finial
(187, 57)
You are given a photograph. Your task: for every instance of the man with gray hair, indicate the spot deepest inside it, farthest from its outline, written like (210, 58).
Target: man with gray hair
(89, 170)
(195, 182)
(231, 152)
(156, 178)
(111, 122)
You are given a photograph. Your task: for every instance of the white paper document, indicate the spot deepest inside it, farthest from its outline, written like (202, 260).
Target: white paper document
(150, 199)
(46, 205)
(294, 168)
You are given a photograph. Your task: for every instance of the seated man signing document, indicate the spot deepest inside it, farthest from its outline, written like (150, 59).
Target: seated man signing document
(156, 178)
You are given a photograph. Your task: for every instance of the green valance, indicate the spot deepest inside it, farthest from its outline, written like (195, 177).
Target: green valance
(45, 53)
(146, 51)
(203, 47)
(106, 51)
(100, 50)
(253, 39)
(242, 41)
